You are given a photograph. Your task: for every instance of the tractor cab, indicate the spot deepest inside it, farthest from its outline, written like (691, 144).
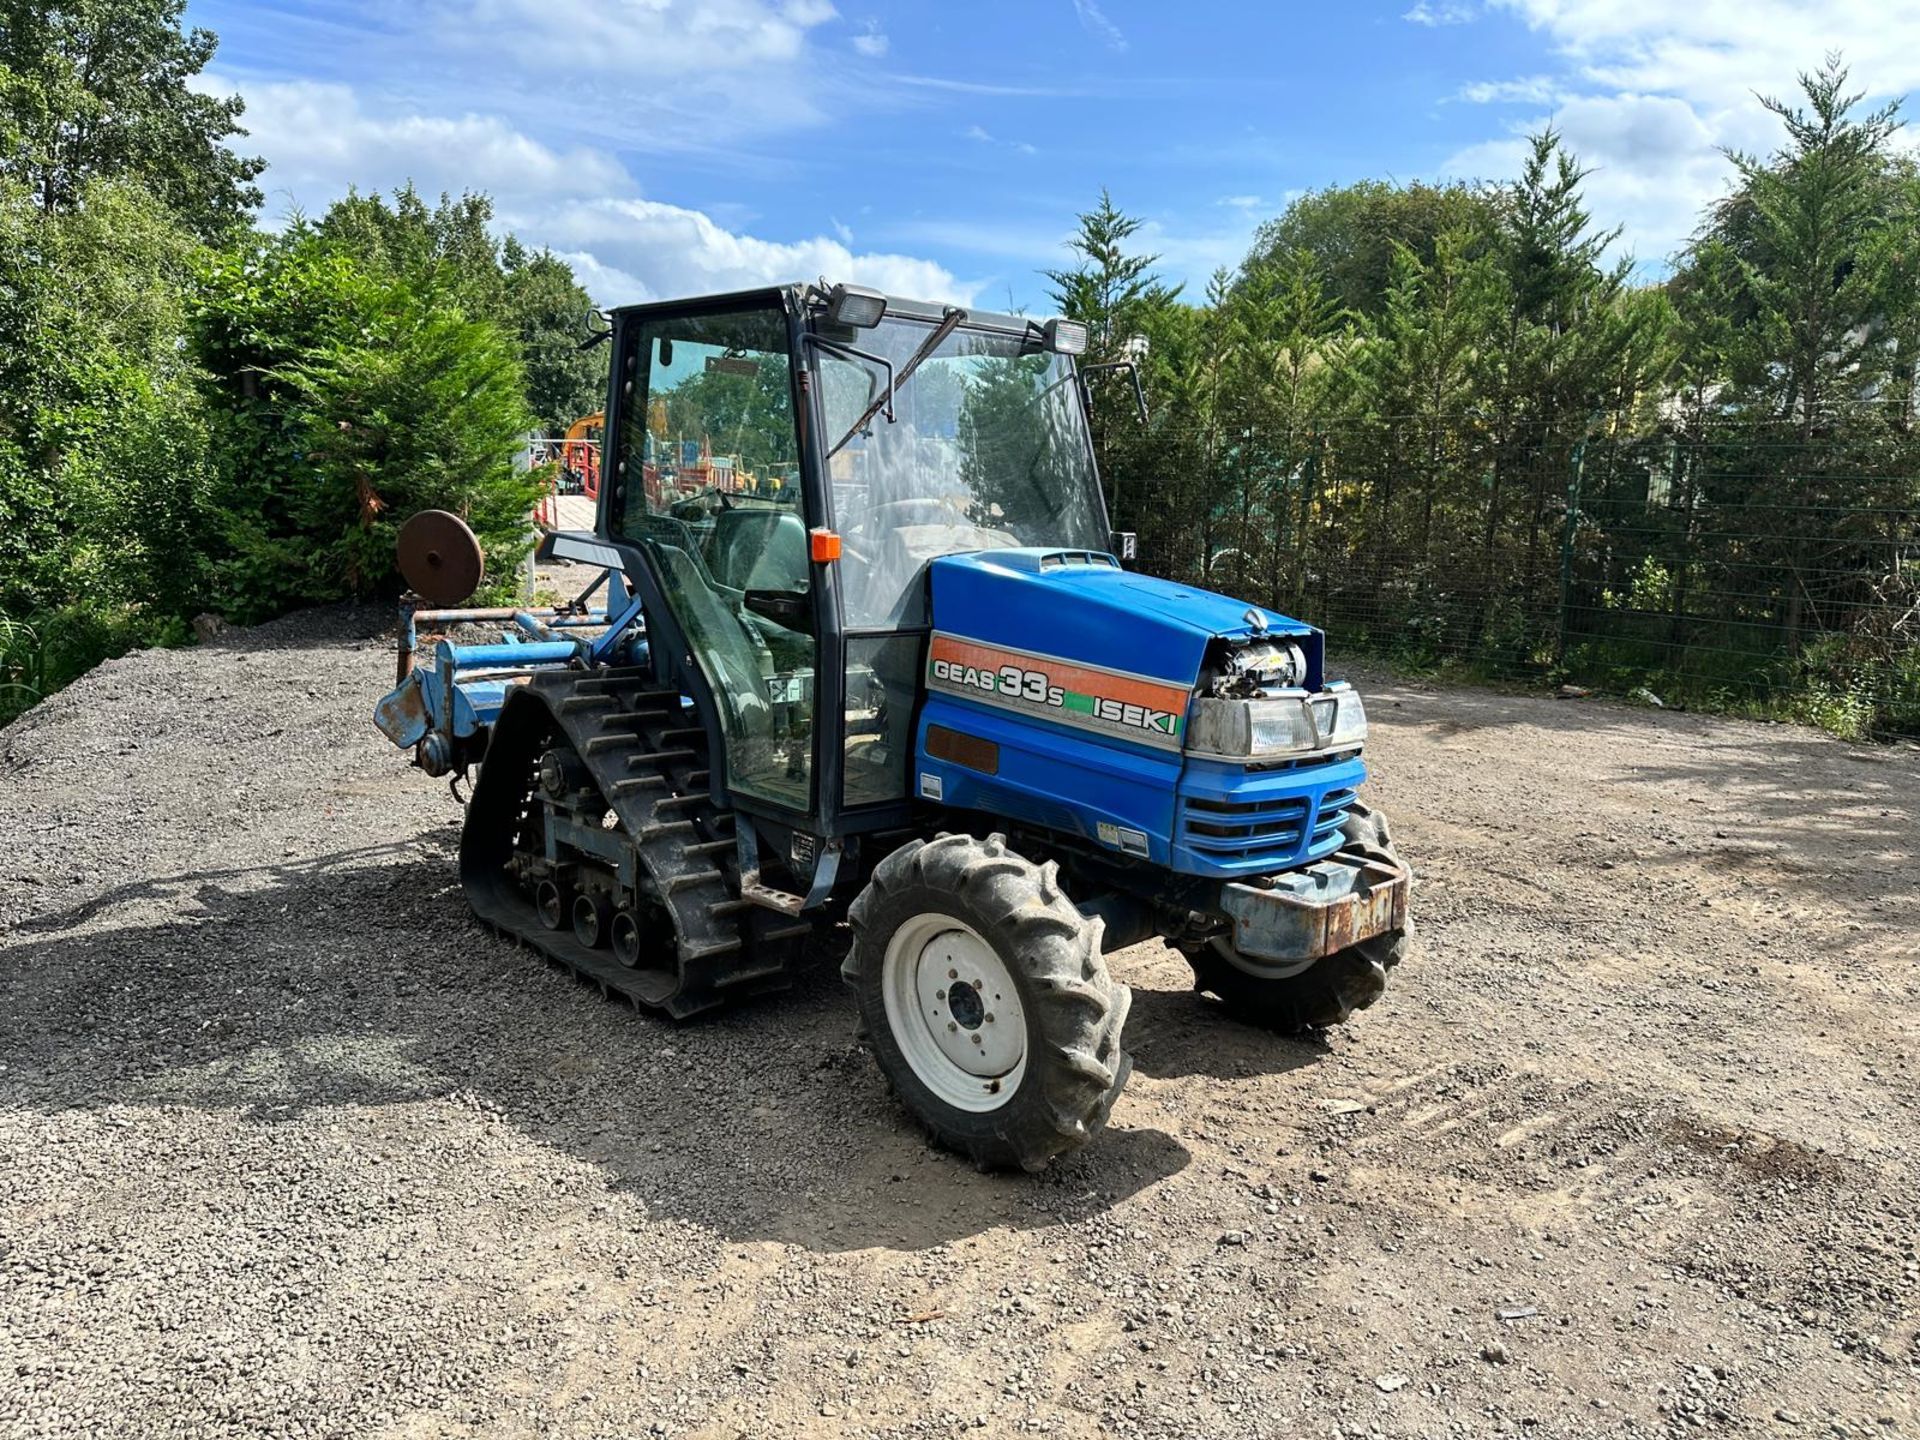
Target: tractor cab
(784, 464)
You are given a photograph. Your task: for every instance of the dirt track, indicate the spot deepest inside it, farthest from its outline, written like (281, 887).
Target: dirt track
(287, 1146)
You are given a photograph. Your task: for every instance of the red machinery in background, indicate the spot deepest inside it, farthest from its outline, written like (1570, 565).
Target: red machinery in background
(575, 458)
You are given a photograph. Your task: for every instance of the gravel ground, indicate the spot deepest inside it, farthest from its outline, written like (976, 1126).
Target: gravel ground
(289, 1147)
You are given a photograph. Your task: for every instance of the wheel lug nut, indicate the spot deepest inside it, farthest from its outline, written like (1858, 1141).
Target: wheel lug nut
(952, 1026)
(953, 974)
(989, 1017)
(976, 1039)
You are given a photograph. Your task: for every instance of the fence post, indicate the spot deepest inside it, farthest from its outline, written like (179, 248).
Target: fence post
(1574, 476)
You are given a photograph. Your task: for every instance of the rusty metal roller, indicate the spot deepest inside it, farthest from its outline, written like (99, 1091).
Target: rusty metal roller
(439, 557)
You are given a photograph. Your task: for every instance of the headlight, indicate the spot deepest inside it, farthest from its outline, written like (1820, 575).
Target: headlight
(1297, 724)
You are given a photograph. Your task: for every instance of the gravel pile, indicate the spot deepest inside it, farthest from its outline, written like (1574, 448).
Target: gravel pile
(288, 1146)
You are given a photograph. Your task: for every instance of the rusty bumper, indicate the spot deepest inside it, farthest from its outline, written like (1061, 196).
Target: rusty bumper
(1288, 919)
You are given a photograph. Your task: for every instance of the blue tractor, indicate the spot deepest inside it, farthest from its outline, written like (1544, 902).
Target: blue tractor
(863, 647)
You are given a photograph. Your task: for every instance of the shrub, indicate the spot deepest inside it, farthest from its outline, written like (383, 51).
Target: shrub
(346, 403)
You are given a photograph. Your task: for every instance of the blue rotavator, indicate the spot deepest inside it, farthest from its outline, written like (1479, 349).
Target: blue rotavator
(863, 648)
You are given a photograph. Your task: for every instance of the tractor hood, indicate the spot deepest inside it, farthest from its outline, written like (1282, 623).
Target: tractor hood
(1080, 607)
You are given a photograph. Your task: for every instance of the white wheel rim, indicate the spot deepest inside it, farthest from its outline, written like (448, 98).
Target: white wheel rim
(955, 1012)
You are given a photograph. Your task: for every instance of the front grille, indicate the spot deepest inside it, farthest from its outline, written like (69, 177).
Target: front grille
(1279, 831)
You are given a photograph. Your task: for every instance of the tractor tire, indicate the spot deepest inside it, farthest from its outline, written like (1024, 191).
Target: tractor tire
(986, 1001)
(1324, 993)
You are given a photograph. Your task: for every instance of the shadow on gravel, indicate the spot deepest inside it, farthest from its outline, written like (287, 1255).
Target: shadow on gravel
(283, 993)
(1181, 1032)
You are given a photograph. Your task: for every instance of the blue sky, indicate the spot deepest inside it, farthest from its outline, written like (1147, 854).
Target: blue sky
(941, 150)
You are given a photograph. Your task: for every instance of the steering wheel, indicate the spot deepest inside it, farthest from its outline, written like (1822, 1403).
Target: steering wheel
(895, 512)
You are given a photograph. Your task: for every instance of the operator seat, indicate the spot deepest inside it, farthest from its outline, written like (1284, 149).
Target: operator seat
(758, 548)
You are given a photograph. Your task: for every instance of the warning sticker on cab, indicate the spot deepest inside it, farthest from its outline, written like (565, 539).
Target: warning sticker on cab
(1133, 707)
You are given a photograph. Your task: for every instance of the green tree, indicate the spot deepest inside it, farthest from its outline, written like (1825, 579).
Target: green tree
(1811, 250)
(102, 440)
(1549, 370)
(102, 89)
(1414, 384)
(1806, 227)
(344, 402)
(1353, 233)
(448, 249)
(1118, 296)
(422, 409)
(1283, 324)
(1113, 293)
(547, 310)
(745, 412)
(1007, 467)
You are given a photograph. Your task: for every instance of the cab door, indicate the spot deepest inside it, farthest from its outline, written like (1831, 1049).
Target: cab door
(708, 491)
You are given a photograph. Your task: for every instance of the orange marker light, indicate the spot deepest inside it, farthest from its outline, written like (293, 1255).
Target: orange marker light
(826, 546)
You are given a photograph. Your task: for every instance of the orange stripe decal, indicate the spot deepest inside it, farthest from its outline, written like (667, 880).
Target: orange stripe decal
(1131, 706)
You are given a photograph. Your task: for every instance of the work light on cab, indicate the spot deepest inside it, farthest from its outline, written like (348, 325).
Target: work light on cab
(1065, 337)
(855, 307)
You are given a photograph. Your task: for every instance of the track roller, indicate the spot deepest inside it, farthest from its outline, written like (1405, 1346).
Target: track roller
(592, 920)
(550, 903)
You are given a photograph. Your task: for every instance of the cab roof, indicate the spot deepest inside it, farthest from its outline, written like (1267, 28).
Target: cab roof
(898, 307)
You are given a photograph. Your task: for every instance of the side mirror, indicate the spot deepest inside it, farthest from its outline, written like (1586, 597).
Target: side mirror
(597, 333)
(1132, 367)
(789, 609)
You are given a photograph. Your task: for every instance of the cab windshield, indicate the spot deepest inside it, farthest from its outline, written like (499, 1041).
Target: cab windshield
(988, 449)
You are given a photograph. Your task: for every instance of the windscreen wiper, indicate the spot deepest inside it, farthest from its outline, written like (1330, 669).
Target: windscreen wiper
(949, 322)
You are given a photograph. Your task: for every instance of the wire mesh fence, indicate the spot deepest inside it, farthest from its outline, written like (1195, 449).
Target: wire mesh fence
(1752, 568)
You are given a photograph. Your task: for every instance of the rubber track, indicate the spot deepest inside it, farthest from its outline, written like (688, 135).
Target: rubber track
(649, 760)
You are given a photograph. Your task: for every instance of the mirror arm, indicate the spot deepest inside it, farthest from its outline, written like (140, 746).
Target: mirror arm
(596, 337)
(847, 352)
(1132, 367)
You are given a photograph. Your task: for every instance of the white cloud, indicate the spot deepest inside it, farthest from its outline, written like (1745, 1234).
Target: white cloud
(1094, 21)
(1528, 90)
(607, 284)
(318, 138)
(1650, 92)
(1440, 12)
(1720, 51)
(1653, 161)
(668, 250)
(638, 75)
(682, 39)
(870, 42)
(984, 136)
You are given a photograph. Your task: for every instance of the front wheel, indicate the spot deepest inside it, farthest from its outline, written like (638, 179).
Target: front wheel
(986, 1001)
(1321, 992)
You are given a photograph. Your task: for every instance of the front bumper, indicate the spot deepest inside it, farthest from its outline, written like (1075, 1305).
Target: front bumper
(1354, 894)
